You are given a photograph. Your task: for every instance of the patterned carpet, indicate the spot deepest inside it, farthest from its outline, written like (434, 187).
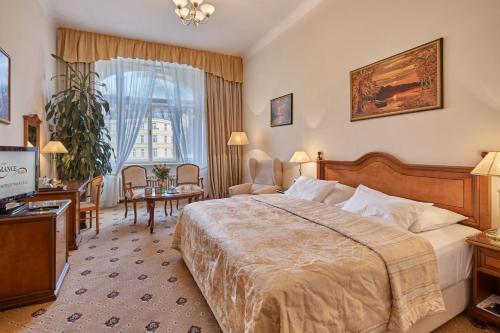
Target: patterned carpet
(126, 280)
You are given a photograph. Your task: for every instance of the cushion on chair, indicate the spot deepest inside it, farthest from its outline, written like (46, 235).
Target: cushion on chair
(85, 205)
(188, 174)
(189, 188)
(268, 172)
(135, 175)
(137, 193)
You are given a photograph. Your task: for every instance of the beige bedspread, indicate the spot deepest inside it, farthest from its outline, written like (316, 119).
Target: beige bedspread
(276, 264)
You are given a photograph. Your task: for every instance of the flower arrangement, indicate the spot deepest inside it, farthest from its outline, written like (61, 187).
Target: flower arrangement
(161, 171)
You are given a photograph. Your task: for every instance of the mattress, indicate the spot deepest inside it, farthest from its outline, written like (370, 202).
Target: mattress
(454, 255)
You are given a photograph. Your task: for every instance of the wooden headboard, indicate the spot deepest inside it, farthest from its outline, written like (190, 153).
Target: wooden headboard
(448, 187)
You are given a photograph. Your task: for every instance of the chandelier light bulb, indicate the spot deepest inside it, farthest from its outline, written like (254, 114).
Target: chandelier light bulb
(180, 3)
(207, 9)
(200, 16)
(184, 13)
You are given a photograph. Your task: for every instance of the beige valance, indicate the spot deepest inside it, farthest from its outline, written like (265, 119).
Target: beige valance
(83, 46)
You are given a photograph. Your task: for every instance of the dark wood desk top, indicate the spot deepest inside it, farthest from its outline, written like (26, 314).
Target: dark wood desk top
(27, 212)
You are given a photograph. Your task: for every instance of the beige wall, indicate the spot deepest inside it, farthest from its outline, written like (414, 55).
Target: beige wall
(29, 37)
(313, 59)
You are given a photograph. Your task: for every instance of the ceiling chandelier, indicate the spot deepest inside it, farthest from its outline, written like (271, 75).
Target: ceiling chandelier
(193, 11)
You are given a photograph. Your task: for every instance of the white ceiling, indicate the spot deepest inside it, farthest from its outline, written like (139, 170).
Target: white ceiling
(235, 27)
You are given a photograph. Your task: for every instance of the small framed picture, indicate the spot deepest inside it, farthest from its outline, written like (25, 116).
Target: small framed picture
(282, 111)
(4, 87)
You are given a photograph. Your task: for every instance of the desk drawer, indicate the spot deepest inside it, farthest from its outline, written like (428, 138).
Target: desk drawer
(489, 261)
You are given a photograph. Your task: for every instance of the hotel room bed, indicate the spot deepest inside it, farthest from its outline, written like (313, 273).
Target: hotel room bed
(278, 264)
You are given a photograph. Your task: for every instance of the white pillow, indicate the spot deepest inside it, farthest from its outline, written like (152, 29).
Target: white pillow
(393, 210)
(311, 189)
(435, 218)
(339, 194)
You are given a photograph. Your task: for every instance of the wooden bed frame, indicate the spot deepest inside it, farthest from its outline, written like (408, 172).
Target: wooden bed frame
(449, 187)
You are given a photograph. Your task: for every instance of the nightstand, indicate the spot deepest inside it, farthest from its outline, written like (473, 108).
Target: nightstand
(485, 276)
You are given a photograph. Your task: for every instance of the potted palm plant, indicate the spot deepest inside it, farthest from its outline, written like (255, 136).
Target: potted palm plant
(77, 113)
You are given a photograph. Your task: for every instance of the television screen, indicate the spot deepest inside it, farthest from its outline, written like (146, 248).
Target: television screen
(18, 172)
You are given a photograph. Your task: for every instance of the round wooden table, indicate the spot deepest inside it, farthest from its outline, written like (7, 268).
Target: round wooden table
(152, 198)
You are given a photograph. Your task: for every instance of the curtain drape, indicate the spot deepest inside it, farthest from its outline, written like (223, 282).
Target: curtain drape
(224, 116)
(183, 89)
(129, 90)
(88, 47)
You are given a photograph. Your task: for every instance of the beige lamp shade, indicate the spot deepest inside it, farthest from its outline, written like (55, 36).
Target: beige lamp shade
(238, 139)
(489, 165)
(300, 157)
(54, 147)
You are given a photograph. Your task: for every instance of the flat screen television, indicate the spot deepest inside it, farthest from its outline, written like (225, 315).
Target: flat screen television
(19, 170)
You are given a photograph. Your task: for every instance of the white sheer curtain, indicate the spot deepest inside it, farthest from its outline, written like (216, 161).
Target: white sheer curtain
(138, 90)
(129, 91)
(184, 91)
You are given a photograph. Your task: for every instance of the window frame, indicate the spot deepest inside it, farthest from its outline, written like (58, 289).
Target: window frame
(150, 159)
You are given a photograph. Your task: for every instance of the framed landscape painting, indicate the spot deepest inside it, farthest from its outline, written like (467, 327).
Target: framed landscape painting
(4, 87)
(282, 111)
(407, 82)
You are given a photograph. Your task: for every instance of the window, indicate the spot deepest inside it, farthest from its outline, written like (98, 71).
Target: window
(173, 129)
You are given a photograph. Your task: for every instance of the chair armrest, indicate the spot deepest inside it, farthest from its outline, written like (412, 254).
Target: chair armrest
(127, 191)
(267, 190)
(200, 183)
(240, 189)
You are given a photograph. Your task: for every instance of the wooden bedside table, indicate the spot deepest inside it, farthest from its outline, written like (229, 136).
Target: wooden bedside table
(485, 276)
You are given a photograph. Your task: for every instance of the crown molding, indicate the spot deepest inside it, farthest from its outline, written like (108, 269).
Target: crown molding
(281, 27)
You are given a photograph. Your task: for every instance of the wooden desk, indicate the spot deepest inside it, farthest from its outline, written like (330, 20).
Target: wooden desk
(33, 256)
(74, 191)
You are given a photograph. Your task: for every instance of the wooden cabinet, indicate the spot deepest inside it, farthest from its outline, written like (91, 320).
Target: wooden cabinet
(33, 256)
(73, 191)
(485, 276)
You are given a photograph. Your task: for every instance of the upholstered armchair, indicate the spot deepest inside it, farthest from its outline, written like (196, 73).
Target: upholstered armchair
(135, 181)
(187, 178)
(188, 175)
(266, 176)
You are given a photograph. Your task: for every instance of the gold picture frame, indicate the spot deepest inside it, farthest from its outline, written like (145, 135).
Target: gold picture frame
(410, 81)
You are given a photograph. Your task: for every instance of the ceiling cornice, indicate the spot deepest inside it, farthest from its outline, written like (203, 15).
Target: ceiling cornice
(281, 27)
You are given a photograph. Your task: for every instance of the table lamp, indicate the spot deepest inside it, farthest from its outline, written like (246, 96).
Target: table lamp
(490, 167)
(238, 139)
(54, 147)
(300, 157)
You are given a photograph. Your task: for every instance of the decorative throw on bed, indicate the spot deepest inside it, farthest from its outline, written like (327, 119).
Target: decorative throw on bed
(273, 263)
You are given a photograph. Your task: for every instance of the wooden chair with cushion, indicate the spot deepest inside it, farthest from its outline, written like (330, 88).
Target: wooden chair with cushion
(266, 177)
(187, 176)
(135, 180)
(92, 204)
